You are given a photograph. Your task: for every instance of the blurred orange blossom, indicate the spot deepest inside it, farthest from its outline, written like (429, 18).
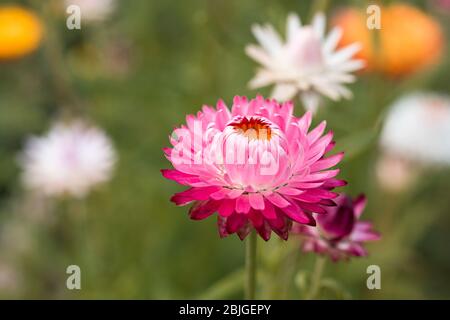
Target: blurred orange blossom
(408, 40)
(20, 32)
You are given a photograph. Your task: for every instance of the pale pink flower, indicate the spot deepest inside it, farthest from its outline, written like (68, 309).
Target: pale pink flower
(306, 63)
(413, 139)
(339, 233)
(417, 128)
(70, 160)
(256, 165)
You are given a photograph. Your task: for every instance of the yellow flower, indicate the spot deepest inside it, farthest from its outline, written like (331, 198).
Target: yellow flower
(20, 32)
(408, 41)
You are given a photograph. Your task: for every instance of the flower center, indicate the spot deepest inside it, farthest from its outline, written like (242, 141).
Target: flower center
(306, 51)
(253, 128)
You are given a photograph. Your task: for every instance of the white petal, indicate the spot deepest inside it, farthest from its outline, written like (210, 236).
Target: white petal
(340, 77)
(283, 92)
(268, 38)
(310, 100)
(293, 25)
(332, 40)
(344, 92)
(348, 66)
(263, 78)
(344, 54)
(327, 89)
(318, 24)
(259, 55)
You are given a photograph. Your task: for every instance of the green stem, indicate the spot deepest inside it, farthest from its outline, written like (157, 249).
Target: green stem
(250, 266)
(316, 277)
(289, 271)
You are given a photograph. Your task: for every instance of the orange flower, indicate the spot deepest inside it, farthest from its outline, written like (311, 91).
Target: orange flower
(20, 32)
(409, 40)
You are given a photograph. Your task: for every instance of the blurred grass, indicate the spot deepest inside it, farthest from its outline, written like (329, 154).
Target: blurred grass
(134, 243)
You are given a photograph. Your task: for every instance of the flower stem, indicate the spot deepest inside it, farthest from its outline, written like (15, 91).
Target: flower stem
(316, 277)
(250, 266)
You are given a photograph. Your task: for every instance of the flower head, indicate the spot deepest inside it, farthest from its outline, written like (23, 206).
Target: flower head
(20, 32)
(71, 159)
(256, 165)
(339, 233)
(306, 63)
(416, 127)
(403, 47)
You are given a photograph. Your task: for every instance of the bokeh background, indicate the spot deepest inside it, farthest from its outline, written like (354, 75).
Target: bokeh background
(137, 74)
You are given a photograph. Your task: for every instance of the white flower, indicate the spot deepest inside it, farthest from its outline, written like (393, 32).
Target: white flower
(417, 128)
(306, 63)
(71, 159)
(93, 10)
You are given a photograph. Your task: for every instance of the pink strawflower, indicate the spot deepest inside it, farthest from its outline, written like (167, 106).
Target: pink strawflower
(256, 166)
(339, 234)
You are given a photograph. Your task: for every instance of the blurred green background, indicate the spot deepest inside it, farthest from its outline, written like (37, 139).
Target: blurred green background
(137, 75)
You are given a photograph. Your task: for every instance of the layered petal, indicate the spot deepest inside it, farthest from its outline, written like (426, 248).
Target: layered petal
(255, 164)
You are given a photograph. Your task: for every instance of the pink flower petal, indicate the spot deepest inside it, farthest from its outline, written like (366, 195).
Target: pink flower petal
(277, 200)
(256, 201)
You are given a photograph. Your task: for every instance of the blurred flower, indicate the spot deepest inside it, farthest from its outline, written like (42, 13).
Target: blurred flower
(20, 32)
(307, 63)
(257, 166)
(395, 174)
(93, 10)
(408, 40)
(71, 159)
(339, 233)
(417, 127)
(414, 134)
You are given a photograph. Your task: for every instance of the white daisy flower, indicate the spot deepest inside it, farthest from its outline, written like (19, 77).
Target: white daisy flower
(417, 128)
(93, 10)
(308, 62)
(70, 159)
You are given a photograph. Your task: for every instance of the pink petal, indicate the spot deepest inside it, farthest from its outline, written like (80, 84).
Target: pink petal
(294, 212)
(334, 183)
(235, 222)
(242, 204)
(269, 210)
(316, 132)
(312, 207)
(305, 122)
(220, 194)
(324, 175)
(277, 200)
(327, 162)
(256, 201)
(202, 210)
(226, 207)
(256, 218)
(235, 193)
(180, 177)
(359, 204)
(289, 191)
(193, 194)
